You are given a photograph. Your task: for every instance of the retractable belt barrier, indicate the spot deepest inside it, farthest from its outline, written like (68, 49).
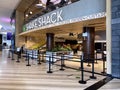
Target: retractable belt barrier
(50, 59)
(51, 62)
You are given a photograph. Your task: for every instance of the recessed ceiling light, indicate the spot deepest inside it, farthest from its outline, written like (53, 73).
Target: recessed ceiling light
(31, 12)
(39, 4)
(26, 15)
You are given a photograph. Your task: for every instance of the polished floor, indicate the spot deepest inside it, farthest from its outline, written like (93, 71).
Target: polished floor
(112, 85)
(18, 76)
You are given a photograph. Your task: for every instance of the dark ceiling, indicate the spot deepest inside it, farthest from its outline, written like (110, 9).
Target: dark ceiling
(27, 6)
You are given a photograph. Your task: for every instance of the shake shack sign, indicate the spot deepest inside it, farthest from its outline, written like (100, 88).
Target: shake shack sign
(45, 20)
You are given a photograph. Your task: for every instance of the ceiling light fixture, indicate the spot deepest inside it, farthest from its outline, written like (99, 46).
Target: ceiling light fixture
(31, 12)
(40, 4)
(26, 15)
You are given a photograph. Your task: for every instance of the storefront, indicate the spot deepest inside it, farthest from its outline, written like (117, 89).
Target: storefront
(72, 19)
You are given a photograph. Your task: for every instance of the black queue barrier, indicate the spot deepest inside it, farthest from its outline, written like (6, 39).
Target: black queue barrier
(87, 59)
(9, 53)
(82, 81)
(96, 57)
(26, 55)
(18, 52)
(80, 65)
(28, 64)
(34, 55)
(39, 59)
(42, 55)
(12, 54)
(31, 56)
(81, 68)
(49, 69)
(92, 77)
(52, 58)
(62, 62)
(18, 57)
(50, 63)
(104, 59)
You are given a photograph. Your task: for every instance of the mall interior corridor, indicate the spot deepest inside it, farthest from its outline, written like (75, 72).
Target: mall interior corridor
(59, 44)
(18, 76)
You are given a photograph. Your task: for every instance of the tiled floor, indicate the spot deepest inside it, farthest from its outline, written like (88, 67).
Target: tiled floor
(112, 85)
(18, 76)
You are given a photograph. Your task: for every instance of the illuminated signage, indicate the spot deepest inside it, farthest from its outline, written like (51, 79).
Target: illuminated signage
(78, 19)
(45, 20)
(55, 19)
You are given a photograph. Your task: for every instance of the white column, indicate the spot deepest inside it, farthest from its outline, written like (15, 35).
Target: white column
(108, 35)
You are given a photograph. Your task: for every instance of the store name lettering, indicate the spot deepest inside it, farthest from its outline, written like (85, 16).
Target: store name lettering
(45, 20)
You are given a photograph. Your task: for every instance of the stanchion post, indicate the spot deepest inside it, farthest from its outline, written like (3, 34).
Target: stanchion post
(96, 57)
(42, 56)
(62, 63)
(93, 77)
(26, 55)
(52, 58)
(9, 54)
(28, 60)
(80, 61)
(88, 57)
(18, 53)
(12, 54)
(32, 55)
(49, 69)
(82, 72)
(39, 58)
(104, 58)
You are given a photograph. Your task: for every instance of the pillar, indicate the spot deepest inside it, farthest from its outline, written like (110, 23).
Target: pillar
(88, 42)
(50, 41)
(108, 35)
(115, 32)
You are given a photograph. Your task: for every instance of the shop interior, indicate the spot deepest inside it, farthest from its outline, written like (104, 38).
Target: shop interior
(69, 38)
